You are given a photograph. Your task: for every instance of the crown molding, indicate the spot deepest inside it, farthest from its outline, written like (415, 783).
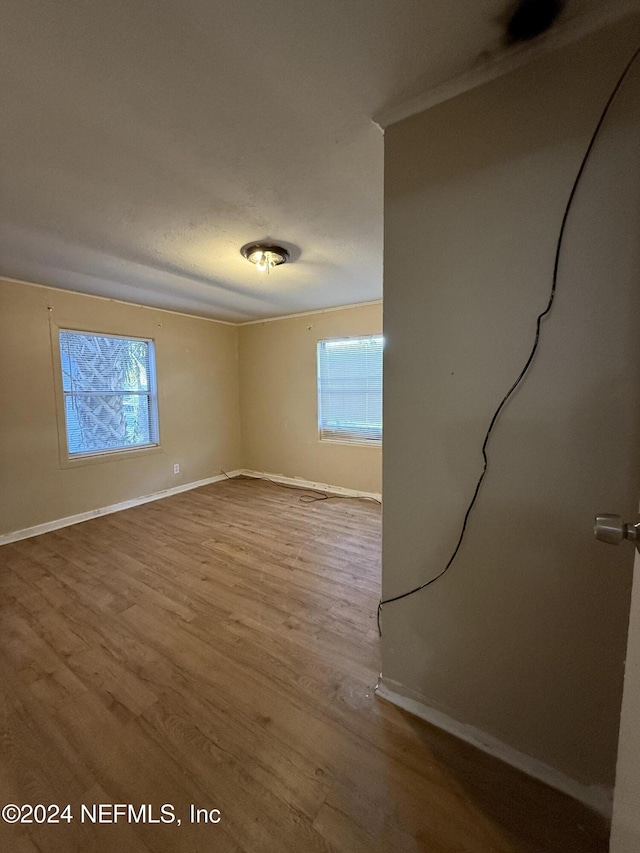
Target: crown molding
(309, 313)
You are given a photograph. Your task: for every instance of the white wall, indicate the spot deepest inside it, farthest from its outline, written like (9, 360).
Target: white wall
(525, 637)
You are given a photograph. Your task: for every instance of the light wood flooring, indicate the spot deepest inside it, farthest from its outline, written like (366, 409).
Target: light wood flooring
(219, 648)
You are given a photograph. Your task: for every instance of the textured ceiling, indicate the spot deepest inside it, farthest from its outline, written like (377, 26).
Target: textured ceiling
(143, 143)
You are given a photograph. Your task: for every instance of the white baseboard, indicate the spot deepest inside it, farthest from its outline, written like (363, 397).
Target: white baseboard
(596, 797)
(37, 529)
(28, 532)
(308, 484)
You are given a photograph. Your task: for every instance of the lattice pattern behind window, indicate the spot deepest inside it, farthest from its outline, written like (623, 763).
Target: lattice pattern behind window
(109, 392)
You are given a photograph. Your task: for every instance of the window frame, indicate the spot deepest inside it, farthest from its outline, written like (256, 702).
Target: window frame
(346, 440)
(72, 460)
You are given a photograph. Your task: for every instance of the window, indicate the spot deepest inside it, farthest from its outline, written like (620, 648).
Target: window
(109, 393)
(350, 390)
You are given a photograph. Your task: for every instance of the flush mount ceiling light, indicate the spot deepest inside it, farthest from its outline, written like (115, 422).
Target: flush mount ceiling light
(265, 256)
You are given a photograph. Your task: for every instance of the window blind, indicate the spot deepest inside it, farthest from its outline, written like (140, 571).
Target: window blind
(350, 389)
(109, 392)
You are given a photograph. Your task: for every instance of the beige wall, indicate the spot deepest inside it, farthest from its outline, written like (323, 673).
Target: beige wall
(278, 391)
(525, 637)
(198, 367)
(197, 371)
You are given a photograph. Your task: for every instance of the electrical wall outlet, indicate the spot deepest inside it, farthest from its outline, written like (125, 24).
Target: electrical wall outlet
(176, 468)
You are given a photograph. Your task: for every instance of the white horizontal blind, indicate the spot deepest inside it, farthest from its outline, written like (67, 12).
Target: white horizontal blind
(350, 389)
(109, 392)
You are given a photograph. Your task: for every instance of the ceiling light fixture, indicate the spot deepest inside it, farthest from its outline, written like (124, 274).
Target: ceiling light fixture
(265, 256)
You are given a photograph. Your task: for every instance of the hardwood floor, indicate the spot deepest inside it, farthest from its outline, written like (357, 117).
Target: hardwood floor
(219, 648)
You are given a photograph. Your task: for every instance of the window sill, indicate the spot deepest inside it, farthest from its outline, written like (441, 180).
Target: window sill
(109, 456)
(351, 442)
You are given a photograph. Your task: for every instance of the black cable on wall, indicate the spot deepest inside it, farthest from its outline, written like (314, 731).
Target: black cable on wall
(534, 348)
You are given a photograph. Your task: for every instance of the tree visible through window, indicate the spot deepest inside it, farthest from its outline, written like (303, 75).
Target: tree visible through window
(350, 389)
(109, 392)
